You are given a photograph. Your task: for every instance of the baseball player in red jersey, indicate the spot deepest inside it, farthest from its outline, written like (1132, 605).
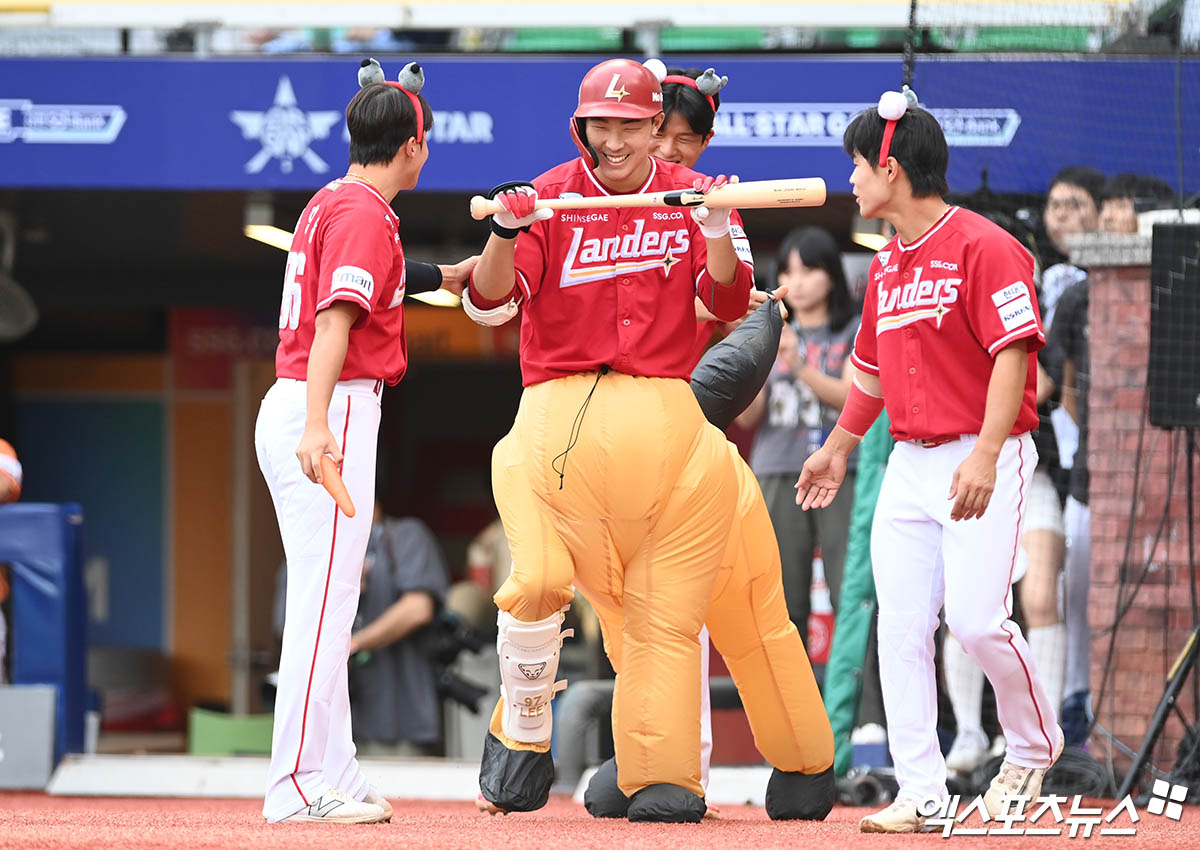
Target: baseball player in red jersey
(747, 615)
(611, 479)
(341, 339)
(947, 343)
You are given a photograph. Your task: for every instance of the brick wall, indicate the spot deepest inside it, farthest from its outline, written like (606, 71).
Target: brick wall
(1154, 630)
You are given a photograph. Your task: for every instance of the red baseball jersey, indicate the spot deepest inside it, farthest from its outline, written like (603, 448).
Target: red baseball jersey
(617, 287)
(935, 314)
(346, 248)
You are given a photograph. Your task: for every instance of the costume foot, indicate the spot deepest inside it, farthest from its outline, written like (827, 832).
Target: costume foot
(666, 803)
(603, 797)
(801, 796)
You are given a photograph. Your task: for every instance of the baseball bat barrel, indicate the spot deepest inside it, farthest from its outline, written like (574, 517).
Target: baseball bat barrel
(756, 194)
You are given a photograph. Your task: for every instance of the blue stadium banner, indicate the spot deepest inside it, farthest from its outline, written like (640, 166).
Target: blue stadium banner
(225, 124)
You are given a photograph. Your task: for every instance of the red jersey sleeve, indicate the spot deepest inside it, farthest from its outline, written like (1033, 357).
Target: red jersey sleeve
(727, 303)
(865, 355)
(1001, 304)
(357, 252)
(529, 264)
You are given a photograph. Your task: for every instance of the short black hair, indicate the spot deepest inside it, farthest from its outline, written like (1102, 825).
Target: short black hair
(381, 119)
(817, 249)
(694, 106)
(1085, 177)
(919, 145)
(1146, 192)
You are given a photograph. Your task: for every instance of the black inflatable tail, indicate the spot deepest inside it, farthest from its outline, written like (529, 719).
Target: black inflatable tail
(731, 373)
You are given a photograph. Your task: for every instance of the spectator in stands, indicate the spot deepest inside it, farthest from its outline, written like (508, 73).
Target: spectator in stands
(799, 406)
(393, 686)
(394, 703)
(1072, 206)
(1124, 196)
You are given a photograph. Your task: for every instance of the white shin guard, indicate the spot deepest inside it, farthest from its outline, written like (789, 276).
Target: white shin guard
(528, 664)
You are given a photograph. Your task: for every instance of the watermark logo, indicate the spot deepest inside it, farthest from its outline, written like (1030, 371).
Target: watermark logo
(1051, 815)
(1167, 799)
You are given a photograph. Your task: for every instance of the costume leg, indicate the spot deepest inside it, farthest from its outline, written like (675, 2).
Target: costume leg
(749, 623)
(517, 768)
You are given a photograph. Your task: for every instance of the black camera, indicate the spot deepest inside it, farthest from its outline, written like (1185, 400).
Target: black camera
(447, 636)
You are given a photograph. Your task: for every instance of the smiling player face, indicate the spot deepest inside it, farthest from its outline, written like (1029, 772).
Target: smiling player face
(677, 142)
(622, 146)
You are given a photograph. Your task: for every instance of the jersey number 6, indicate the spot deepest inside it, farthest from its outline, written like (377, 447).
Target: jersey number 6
(289, 309)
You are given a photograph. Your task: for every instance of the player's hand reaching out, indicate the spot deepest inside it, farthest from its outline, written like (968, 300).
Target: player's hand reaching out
(518, 200)
(973, 483)
(317, 440)
(713, 223)
(820, 479)
(455, 277)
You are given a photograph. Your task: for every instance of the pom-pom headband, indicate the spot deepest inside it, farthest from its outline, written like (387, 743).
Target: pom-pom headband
(708, 83)
(410, 80)
(892, 106)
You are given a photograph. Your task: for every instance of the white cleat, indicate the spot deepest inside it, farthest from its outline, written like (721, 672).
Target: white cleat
(902, 815)
(334, 806)
(970, 750)
(376, 799)
(1016, 781)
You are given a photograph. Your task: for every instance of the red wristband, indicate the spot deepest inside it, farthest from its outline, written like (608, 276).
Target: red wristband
(860, 411)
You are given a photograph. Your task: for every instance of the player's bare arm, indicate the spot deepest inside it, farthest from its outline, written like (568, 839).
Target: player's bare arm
(722, 260)
(455, 277)
(1045, 385)
(325, 361)
(825, 470)
(975, 478)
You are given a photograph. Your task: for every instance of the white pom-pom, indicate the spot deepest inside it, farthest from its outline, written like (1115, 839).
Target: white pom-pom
(657, 68)
(892, 105)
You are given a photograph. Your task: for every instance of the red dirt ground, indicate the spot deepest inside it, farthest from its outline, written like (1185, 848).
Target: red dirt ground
(36, 821)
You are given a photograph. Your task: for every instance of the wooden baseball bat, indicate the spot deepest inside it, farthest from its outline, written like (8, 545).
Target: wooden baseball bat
(756, 194)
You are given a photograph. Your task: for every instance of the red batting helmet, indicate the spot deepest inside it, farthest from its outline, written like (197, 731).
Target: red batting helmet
(616, 88)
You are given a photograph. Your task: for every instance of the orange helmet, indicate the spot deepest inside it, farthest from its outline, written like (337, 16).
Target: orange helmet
(616, 88)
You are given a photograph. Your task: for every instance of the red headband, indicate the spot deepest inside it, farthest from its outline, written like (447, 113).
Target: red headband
(885, 149)
(416, 102)
(688, 81)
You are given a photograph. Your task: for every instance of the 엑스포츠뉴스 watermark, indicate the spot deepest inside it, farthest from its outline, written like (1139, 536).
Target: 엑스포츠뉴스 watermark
(1045, 815)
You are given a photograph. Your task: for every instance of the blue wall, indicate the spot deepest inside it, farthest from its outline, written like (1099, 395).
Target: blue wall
(269, 123)
(107, 456)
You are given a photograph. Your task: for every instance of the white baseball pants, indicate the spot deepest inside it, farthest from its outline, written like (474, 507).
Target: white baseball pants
(311, 747)
(973, 578)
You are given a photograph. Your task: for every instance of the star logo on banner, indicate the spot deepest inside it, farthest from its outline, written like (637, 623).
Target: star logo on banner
(285, 131)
